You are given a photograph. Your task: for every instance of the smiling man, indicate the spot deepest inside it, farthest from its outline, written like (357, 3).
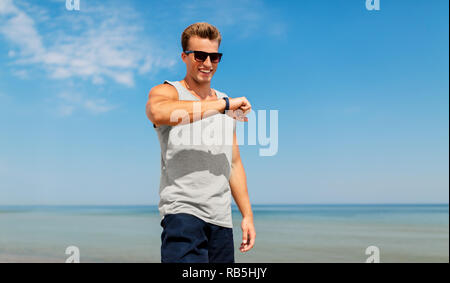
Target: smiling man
(198, 179)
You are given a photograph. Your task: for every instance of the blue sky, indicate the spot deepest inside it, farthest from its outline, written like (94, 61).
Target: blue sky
(362, 97)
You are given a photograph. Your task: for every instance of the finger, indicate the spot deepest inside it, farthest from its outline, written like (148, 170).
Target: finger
(252, 241)
(232, 114)
(239, 116)
(242, 120)
(246, 106)
(239, 112)
(244, 236)
(244, 248)
(249, 243)
(245, 109)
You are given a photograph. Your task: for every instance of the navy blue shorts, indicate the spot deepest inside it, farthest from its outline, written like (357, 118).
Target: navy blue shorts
(187, 238)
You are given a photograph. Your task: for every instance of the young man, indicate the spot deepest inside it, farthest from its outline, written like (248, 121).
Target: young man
(199, 178)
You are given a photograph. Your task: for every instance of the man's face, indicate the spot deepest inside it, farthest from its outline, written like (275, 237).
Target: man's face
(201, 72)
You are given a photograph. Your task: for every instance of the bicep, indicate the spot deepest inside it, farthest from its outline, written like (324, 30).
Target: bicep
(158, 96)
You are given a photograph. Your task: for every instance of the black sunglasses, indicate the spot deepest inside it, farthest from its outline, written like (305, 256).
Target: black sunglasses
(201, 56)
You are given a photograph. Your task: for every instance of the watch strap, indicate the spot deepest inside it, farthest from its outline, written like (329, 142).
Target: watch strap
(227, 104)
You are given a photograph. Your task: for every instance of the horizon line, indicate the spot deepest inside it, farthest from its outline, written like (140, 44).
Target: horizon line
(234, 205)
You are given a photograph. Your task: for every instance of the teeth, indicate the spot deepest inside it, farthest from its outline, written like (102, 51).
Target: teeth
(205, 71)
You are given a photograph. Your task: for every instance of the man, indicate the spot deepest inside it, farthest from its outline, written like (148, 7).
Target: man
(198, 179)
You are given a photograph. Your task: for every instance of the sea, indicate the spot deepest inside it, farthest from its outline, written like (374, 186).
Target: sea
(284, 233)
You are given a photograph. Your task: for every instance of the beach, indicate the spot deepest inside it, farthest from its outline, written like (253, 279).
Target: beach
(285, 233)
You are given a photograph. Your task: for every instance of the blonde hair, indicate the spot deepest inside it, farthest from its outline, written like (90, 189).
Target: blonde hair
(202, 30)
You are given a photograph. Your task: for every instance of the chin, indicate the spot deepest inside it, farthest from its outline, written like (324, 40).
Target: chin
(202, 79)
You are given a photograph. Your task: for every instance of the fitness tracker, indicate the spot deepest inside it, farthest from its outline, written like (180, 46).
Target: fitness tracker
(227, 104)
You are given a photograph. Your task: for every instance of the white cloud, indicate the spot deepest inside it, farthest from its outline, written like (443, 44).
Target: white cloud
(102, 43)
(245, 18)
(66, 110)
(23, 74)
(97, 106)
(98, 44)
(73, 98)
(107, 41)
(7, 7)
(19, 29)
(69, 102)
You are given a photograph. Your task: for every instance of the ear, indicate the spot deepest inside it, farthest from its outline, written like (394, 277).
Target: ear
(183, 57)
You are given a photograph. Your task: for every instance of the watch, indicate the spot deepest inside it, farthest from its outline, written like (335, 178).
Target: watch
(227, 104)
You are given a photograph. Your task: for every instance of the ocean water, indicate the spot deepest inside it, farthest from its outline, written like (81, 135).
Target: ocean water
(285, 233)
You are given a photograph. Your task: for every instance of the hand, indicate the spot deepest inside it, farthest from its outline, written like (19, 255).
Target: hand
(248, 234)
(239, 107)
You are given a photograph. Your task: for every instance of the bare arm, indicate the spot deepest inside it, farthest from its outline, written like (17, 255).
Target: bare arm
(238, 185)
(163, 102)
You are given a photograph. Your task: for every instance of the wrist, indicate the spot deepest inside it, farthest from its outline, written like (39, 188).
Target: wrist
(248, 216)
(227, 104)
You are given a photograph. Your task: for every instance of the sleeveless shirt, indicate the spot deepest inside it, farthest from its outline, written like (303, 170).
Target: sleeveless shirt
(196, 165)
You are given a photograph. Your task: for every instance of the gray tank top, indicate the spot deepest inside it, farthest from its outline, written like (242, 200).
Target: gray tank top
(195, 175)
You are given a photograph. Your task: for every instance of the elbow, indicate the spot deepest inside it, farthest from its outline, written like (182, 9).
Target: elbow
(152, 114)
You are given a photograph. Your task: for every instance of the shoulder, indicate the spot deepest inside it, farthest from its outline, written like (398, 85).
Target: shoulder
(164, 89)
(220, 94)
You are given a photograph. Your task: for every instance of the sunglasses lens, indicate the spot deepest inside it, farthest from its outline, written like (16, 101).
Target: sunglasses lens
(200, 56)
(215, 57)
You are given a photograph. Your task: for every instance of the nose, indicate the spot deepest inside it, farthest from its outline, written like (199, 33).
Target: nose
(207, 62)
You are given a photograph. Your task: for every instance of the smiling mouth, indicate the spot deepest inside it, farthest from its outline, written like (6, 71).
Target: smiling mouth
(205, 71)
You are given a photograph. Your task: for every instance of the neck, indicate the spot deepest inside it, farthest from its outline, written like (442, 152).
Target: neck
(202, 90)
